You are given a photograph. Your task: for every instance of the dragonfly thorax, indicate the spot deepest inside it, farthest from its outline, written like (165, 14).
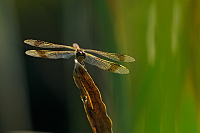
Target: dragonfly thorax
(80, 55)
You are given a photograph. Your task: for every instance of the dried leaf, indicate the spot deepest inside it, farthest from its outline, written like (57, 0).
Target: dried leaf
(91, 97)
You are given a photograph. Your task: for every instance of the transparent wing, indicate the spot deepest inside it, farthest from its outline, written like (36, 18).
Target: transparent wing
(50, 54)
(43, 44)
(113, 56)
(106, 65)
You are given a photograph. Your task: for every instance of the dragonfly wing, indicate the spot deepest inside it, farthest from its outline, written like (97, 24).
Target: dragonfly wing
(43, 44)
(50, 54)
(113, 56)
(106, 65)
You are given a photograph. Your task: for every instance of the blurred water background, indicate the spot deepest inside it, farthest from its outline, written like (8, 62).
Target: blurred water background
(161, 94)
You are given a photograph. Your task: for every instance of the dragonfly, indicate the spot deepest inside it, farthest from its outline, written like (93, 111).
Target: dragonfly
(82, 55)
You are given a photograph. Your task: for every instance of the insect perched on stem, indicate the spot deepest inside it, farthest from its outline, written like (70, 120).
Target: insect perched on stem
(81, 55)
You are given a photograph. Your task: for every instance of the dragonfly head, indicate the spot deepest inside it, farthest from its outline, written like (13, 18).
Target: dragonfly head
(80, 55)
(75, 45)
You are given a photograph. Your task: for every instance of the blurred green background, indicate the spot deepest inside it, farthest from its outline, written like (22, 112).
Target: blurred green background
(161, 94)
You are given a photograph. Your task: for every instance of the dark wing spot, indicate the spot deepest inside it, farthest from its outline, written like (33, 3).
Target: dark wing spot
(121, 57)
(42, 53)
(38, 42)
(113, 67)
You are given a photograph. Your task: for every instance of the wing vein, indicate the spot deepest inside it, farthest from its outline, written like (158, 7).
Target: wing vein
(106, 65)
